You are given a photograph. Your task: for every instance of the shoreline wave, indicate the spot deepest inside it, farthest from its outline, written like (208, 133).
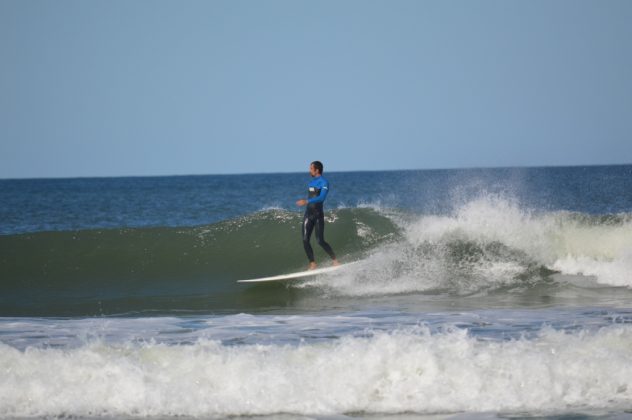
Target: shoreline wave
(409, 370)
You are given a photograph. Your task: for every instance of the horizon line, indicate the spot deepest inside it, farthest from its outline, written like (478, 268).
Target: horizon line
(467, 168)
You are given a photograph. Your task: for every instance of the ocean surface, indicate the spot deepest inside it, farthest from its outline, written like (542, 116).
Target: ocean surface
(480, 293)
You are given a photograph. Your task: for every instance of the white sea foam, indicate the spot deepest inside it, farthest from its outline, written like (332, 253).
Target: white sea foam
(609, 271)
(557, 240)
(544, 236)
(403, 371)
(487, 243)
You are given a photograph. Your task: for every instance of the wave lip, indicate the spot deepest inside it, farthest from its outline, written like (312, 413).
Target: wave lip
(408, 370)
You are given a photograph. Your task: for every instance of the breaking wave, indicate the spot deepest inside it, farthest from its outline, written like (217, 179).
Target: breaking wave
(493, 243)
(487, 245)
(407, 370)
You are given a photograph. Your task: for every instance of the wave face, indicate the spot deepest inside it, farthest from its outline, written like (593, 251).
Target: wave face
(405, 370)
(119, 270)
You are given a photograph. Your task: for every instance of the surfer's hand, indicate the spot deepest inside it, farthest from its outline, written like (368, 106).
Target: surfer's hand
(301, 203)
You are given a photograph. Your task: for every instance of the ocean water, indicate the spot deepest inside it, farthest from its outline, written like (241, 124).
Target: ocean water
(481, 293)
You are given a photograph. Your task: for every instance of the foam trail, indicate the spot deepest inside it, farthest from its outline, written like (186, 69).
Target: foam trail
(403, 371)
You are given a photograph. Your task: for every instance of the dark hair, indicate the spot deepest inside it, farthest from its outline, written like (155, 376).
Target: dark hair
(318, 165)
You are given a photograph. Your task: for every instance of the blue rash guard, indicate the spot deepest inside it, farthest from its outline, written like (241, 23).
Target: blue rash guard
(317, 193)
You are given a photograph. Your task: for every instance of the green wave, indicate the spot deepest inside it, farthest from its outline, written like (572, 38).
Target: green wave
(90, 272)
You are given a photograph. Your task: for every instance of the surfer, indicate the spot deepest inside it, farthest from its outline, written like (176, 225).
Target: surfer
(314, 213)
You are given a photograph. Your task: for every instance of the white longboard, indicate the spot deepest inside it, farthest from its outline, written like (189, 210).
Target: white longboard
(299, 275)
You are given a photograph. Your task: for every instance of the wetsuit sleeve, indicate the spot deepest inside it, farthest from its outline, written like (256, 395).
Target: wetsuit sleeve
(320, 197)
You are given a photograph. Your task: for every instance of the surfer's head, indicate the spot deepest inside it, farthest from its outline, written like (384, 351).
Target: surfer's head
(316, 168)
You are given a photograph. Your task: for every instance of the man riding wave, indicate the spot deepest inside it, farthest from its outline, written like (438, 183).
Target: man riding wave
(314, 217)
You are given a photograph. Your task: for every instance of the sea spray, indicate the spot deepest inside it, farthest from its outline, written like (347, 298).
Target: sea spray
(490, 243)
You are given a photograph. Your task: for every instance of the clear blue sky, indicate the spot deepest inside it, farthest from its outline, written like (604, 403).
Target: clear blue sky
(107, 88)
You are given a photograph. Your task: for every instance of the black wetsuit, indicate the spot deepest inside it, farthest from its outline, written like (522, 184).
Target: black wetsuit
(315, 217)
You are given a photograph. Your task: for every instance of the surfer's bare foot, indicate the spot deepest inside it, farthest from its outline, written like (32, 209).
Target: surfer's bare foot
(335, 262)
(312, 266)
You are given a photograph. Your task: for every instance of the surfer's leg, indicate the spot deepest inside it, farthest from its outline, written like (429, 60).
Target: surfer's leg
(308, 227)
(320, 236)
